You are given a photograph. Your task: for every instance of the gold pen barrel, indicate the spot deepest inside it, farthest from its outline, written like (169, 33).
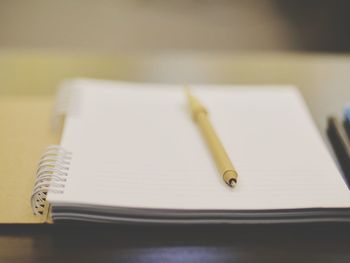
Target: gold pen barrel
(200, 116)
(219, 154)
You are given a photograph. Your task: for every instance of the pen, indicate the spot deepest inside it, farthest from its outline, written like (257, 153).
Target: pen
(223, 162)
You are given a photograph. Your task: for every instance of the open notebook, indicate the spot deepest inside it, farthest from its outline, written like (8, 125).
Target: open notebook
(131, 153)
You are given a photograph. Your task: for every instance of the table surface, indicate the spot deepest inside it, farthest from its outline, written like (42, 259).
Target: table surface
(288, 243)
(323, 81)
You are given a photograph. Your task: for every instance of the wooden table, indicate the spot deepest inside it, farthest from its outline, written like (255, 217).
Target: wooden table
(324, 82)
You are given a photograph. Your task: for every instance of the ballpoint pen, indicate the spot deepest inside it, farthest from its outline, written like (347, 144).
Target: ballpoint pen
(222, 160)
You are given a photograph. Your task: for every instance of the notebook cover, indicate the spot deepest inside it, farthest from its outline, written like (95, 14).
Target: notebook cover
(341, 146)
(347, 121)
(25, 133)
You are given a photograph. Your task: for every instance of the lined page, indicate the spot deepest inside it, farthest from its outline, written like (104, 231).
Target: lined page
(136, 146)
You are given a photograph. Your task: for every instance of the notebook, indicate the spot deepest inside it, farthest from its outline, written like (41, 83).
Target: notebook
(130, 153)
(339, 137)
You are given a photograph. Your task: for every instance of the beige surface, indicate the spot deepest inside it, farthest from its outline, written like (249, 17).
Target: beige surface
(323, 79)
(24, 135)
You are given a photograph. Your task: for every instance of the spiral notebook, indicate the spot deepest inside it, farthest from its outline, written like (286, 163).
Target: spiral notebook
(130, 153)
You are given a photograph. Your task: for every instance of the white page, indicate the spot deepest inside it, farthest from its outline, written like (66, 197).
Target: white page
(135, 145)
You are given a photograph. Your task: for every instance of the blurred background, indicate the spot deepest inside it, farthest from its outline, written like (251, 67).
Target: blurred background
(303, 43)
(147, 25)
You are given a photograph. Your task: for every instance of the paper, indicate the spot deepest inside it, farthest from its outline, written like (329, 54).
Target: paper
(136, 146)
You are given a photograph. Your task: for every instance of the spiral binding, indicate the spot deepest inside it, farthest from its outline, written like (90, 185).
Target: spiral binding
(51, 175)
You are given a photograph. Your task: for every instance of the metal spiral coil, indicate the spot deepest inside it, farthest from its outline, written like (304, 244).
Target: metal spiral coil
(51, 175)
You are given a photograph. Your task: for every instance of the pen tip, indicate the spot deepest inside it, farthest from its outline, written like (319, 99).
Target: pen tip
(232, 182)
(230, 177)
